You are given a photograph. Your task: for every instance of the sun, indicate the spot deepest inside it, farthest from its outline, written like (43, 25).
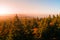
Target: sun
(3, 10)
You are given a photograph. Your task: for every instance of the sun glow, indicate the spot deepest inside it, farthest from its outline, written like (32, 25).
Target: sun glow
(4, 10)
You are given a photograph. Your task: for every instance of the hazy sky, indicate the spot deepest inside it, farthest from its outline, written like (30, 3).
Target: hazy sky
(32, 6)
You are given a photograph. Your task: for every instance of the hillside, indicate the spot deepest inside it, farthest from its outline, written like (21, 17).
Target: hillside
(22, 27)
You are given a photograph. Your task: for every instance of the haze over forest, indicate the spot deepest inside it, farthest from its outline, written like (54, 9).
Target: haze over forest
(29, 19)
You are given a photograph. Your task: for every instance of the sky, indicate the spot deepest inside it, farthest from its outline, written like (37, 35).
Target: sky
(36, 7)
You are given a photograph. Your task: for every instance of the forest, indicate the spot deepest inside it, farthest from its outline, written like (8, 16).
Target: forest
(47, 28)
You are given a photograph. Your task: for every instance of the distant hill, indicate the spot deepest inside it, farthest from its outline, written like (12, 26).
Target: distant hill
(10, 16)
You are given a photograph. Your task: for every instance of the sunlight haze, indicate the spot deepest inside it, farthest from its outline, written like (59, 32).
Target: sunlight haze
(29, 7)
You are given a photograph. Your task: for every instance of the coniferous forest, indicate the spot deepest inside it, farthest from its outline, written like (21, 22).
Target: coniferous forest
(47, 28)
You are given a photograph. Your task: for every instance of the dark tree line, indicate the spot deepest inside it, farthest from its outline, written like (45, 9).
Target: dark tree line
(47, 28)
